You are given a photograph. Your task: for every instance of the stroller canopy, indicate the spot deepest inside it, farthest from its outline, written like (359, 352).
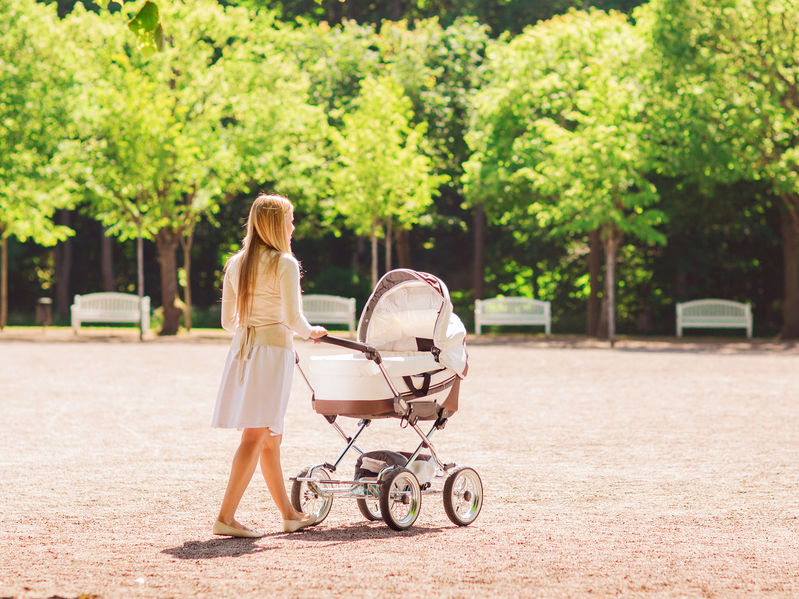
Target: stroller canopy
(412, 311)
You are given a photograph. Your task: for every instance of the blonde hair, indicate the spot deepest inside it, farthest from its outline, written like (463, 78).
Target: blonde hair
(266, 232)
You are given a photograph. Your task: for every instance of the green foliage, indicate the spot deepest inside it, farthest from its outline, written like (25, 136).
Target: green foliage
(728, 98)
(31, 66)
(147, 28)
(383, 174)
(438, 69)
(679, 128)
(728, 88)
(169, 135)
(558, 133)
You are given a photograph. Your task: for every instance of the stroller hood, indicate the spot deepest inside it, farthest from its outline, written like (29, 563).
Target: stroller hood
(412, 311)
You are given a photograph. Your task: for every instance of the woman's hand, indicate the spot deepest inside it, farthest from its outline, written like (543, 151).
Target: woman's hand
(317, 332)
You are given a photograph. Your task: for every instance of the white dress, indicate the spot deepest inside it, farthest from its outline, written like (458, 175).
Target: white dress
(254, 392)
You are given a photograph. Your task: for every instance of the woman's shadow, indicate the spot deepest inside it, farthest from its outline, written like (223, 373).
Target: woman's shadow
(235, 547)
(221, 547)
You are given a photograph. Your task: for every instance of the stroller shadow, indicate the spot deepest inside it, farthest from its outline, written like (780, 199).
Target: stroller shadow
(362, 531)
(212, 548)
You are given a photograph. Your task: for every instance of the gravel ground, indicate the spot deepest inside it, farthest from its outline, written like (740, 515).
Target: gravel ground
(655, 469)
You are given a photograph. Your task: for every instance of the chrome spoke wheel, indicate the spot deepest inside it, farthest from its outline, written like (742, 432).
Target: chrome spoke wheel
(463, 496)
(400, 498)
(369, 504)
(309, 497)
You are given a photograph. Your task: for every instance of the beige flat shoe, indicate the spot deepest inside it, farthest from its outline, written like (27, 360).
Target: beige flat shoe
(220, 528)
(295, 525)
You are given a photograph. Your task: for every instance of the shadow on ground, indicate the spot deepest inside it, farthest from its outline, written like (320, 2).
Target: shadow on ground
(363, 531)
(235, 547)
(213, 548)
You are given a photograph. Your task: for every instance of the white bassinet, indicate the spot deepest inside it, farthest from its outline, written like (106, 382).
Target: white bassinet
(421, 354)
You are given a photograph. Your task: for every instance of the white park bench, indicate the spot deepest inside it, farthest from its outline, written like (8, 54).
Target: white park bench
(714, 314)
(517, 311)
(109, 306)
(329, 309)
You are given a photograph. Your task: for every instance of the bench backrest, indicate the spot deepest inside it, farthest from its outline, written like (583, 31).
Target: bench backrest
(109, 303)
(321, 308)
(713, 310)
(512, 310)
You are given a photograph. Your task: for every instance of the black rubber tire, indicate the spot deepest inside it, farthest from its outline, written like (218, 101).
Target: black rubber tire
(367, 513)
(400, 480)
(476, 498)
(300, 490)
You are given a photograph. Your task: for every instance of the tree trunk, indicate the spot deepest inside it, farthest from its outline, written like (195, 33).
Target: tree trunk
(602, 324)
(140, 276)
(360, 244)
(107, 262)
(3, 281)
(395, 10)
(402, 237)
(790, 254)
(479, 229)
(594, 271)
(63, 267)
(186, 241)
(167, 244)
(389, 236)
(374, 256)
(611, 248)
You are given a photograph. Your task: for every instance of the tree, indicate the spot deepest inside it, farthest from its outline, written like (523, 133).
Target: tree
(729, 91)
(383, 178)
(169, 134)
(438, 69)
(30, 128)
(558, 135)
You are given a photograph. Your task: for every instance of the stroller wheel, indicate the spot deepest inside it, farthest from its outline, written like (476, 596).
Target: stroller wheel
(463, 496)
(369, 506)
(310, 498)
(400, 498)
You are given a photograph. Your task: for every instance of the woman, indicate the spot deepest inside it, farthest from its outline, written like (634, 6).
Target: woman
(262, 306)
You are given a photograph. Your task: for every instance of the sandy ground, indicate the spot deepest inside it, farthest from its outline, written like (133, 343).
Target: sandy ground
(656, 469)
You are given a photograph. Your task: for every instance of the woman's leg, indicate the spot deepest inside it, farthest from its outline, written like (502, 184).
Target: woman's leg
(273, 475)
(244, 462)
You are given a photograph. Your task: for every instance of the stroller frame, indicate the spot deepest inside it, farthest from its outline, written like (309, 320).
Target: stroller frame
(394, 494)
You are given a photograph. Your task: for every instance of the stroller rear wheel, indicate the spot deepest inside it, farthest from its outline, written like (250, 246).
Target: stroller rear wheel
(463, 496)
(370, 507)
(307, 497)
(400, 498)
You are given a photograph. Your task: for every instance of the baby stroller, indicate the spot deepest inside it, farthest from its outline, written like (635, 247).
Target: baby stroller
(411, 357)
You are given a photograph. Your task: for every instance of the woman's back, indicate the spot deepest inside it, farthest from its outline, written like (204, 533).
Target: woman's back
(275, 293)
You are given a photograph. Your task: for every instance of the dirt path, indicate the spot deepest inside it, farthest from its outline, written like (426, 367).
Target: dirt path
(654, 469)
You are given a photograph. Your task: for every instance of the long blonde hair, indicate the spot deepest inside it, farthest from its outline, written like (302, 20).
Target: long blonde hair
(266, 232)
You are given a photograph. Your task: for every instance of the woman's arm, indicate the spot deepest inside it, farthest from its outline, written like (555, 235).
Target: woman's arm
(292, 297)
(228, 303)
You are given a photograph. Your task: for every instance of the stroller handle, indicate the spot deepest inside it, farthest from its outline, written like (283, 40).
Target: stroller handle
(370, 352)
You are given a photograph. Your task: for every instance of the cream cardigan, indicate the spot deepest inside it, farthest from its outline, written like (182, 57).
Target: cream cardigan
(276, 299)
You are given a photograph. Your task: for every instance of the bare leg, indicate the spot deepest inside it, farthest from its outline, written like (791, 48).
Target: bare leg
(244, 462)
(273, 475)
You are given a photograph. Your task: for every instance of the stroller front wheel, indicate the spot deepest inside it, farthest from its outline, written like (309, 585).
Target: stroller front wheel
(463, 496)
(308, 497)
(400, 498)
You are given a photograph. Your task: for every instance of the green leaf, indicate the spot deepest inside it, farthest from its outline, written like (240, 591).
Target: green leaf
(146, 19)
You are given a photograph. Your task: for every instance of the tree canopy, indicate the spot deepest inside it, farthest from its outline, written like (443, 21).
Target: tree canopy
(660, 140)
